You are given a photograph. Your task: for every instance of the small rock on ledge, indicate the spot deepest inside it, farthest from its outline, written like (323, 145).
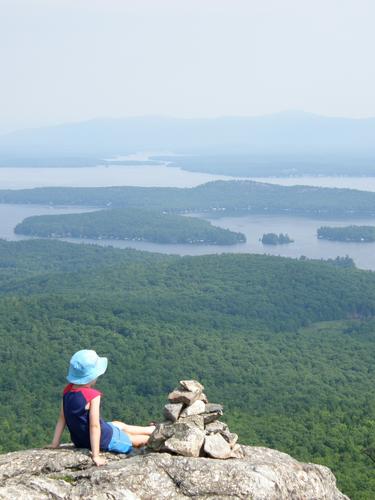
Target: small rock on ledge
(68, 473)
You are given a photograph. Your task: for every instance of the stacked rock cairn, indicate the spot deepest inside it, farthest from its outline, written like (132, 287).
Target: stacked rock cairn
(192, 427)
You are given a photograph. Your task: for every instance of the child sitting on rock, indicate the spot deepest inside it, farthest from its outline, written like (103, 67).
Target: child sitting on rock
(80, 411)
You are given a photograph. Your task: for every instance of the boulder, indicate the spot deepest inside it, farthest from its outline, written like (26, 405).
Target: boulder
(211, 417)
(217, 447)
(187, 440)
(190, 414)
(193, 420)
(181, 396)
(162, 432)
(192, 385)
(212, 412)
(203, 398)
(172, 411)
(195, 409)
(237, 451)
(213, 408)
(216, 426)
(69, 474)
(230, 437)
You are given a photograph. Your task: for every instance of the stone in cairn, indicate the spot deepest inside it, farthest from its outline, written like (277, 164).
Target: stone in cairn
(192, 427)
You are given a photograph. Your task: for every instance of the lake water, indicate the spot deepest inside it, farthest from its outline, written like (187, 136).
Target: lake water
(149, 176)
(100, 176)
(11, 215)
(302, 230)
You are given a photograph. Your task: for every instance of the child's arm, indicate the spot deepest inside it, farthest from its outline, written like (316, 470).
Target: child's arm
(59, 429)
(95, 431)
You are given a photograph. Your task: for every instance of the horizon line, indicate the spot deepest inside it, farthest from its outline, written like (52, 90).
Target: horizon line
(285, 112)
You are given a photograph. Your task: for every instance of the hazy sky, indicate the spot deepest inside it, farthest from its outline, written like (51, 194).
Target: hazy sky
(64, 60)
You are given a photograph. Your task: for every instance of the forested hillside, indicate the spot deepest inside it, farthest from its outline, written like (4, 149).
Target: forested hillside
(220, 197)
(286, 345)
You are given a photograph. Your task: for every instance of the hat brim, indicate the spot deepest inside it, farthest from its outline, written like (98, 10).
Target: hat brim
(100, 368)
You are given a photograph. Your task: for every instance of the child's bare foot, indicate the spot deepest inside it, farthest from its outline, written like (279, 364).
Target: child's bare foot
(152, 427)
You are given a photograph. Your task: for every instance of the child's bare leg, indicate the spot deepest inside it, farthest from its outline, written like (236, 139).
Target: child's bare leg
(134, 429)
(139, 440)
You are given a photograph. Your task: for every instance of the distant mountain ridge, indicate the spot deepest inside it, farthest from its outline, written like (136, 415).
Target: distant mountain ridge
(291, 132)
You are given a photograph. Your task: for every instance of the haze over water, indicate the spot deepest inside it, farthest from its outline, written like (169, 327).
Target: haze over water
(152, 176)
(100, 176)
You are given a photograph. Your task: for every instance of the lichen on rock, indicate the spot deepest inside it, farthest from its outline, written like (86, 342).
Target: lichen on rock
(69, 474)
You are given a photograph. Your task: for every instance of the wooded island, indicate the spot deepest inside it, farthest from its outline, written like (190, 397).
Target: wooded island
(357, 234)
(129, 224)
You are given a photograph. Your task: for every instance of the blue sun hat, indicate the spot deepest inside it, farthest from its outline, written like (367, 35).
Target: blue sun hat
(85, 366)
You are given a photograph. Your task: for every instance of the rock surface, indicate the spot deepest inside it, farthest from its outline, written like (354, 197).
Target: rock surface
(262, 474)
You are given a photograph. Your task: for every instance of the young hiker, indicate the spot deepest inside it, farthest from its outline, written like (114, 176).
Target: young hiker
(80, 411)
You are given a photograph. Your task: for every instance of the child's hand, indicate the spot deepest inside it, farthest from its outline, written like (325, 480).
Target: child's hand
(98, 461)
(52, 446)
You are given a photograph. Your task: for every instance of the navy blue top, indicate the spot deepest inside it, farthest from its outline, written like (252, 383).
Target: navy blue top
(77, 417)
